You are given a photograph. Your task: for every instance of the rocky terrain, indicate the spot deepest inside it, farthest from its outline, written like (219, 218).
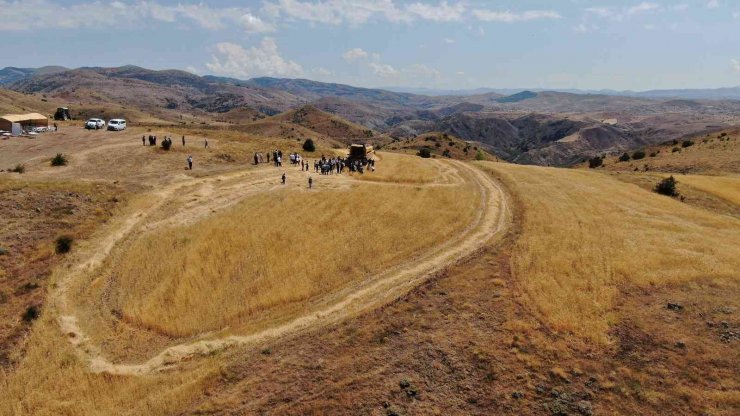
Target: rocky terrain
(546, 127)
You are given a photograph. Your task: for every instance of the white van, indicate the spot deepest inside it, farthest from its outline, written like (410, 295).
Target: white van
(117, 124)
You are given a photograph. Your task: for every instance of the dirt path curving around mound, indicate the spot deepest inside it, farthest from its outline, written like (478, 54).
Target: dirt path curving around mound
(490, 222)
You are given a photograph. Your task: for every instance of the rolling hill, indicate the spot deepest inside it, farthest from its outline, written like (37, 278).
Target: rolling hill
(542, 127)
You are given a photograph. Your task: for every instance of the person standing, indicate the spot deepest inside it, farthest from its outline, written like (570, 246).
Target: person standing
(310, 182)
(143, 140)
(190, 162)
(205, 143)
(183, 141)
(283, 178)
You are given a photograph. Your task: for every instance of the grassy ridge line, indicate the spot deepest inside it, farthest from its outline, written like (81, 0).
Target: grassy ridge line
(585, 234)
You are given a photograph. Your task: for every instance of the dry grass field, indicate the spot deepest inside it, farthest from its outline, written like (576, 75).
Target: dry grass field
(715, 154)
(568, 313)
(586, 235)
(275, 250)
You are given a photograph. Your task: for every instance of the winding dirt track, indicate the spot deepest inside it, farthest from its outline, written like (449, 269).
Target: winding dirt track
(490, 222)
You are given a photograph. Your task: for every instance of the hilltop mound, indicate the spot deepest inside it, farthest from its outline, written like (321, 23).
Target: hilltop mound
(324, 124)
(440, 145)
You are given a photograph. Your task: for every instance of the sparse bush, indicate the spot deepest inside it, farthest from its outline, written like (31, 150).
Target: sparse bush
(480, 156)
(667, 187)
(18, 168)
(653, 154)
(3, 251)
(638, 155)
(59, 160)
(64, 244)
(624, 158)
(446, 153)
(687, 143)
(437, 144)
(309, 145)
(31, 313)
(675, 149)
(595, 162)
(425, 153)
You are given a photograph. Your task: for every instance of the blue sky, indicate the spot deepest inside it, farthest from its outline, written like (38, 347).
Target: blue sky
(583, 44)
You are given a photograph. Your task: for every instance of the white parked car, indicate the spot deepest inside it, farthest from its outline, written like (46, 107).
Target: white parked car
(94, 124)
(117, 124)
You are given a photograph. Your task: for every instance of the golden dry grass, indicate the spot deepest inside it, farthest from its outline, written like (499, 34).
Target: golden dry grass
(392, 167)
(278, 249)
(725, 187)
(710, 154)
(585, 234)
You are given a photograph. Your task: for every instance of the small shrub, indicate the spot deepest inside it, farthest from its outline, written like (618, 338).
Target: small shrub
(18, 168)
(595, 162)
(59, 160)
(64, 244)
(31, 314)
(653, 154)
(675, 149)
(309, 145)
(480, 156)
(687, 143)
(624, 158)
(446, 153)
(3, 251)
(425, 153)
(638, 155)
(667, 187)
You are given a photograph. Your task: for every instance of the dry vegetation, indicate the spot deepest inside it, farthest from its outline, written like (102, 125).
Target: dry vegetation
(278, 249)
(392, 167)
(439, 145)
(585, 235)
(34, 215)
(712, 154)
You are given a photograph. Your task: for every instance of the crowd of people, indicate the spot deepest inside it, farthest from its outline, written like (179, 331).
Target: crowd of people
(325, 165)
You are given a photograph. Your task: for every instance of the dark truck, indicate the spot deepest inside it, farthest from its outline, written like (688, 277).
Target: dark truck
(360, 152)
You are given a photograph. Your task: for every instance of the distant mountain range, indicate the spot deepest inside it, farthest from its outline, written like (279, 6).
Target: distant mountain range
(525, 126)
(728, 93)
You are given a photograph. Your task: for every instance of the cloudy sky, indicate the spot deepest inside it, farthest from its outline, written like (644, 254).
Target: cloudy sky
(588, 44)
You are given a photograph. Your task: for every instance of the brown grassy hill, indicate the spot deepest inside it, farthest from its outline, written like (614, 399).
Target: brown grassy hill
(15, 102)
(324, 124)
(714, 154)
(167, 94)
(440, 145)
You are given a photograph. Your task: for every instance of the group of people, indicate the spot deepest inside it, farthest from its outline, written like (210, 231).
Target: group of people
(153, 140)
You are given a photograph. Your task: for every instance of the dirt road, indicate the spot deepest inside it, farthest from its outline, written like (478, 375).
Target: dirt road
(216, 192)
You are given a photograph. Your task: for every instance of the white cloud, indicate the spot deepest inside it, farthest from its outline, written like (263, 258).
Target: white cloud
(642, 8)
(619, 14)
(712, 4)
(45, 14)
(383, 70)
(735, 64)
(736, 15)
(356, 12)
(354, 54)
(680, 7)
(439, 13)
(585, 28)
(322, 72)
(511, 17)
(448, 41)
(253, 24)
(649, 26)
(231, 59)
